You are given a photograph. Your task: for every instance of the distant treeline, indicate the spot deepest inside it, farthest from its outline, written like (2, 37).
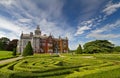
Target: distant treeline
(97, 46)
(6, 44)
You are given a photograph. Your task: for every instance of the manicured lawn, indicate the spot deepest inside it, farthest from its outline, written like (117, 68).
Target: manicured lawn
(64, 66)
(5, 54)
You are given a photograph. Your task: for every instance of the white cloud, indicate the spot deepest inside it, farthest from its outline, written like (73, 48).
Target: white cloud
(111, 8)
(83, 26)
(89, 24)
(2, 34)
(103, 36)
(48, 27)
(100, 33)
(26, 15)
(6, 2)
(81, 30)
(24, 20)
(7, 25)
(10, 29)
(10, 35)
(70, 35)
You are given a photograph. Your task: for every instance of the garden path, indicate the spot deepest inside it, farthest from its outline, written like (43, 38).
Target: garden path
(10, 60)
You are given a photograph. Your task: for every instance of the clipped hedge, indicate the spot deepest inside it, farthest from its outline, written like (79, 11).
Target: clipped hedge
(91, 72)
(58, 67)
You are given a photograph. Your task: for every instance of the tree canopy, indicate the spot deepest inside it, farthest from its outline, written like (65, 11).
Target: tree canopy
(98, 46)
(117, 49)
(6, 44)
(4, 41)
(12, 44)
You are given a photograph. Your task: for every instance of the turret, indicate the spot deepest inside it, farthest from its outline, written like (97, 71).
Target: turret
(37, 31)
(66, 38)
(59, 37)
(31, 34)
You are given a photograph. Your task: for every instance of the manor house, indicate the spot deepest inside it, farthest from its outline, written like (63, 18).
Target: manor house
(43, 43)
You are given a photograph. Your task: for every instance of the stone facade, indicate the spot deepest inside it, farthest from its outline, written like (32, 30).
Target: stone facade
(42, 43)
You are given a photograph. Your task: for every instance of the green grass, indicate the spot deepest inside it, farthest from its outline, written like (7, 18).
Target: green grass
(66, 66)
(5, 55)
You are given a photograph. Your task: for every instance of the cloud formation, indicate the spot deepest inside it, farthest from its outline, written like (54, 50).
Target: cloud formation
(27, 14)
(111, 8)
(100, 33)
(76, 19)
(81, 30)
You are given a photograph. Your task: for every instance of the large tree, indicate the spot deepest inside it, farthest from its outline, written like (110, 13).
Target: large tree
(28, 50)
(79, 50)
(4, 41)
(98, 46)
(12, 44)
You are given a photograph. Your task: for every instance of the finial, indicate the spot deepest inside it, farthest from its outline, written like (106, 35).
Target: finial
(22, 32)
(66, 38)
(59, 37)
(38, 27)
(50, 34)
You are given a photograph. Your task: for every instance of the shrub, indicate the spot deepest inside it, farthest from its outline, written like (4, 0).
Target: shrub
(14, 52)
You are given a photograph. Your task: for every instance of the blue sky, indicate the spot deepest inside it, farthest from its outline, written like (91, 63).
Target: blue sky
(80, 20)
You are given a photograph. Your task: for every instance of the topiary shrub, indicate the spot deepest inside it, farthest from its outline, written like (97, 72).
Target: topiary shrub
(28, 50)
(79, 50)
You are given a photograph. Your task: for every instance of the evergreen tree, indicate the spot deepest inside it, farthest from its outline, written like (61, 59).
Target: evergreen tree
(14, 52)
(98, 46)
(79, 50)
(28, 50)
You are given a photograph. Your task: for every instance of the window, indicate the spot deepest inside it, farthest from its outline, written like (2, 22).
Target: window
(49, 44)
(50, 50)
(64, 42)
(43, 44)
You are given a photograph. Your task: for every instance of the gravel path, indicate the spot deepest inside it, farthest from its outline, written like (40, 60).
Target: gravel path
(87, 57)
(10, 60)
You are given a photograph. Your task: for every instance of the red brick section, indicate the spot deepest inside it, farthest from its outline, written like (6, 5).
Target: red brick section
(50, 43)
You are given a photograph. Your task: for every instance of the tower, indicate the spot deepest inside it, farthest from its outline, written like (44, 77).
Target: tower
(37, 31)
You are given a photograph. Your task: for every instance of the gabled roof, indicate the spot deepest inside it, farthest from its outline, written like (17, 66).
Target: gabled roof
(39, 36)
(26, 36)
